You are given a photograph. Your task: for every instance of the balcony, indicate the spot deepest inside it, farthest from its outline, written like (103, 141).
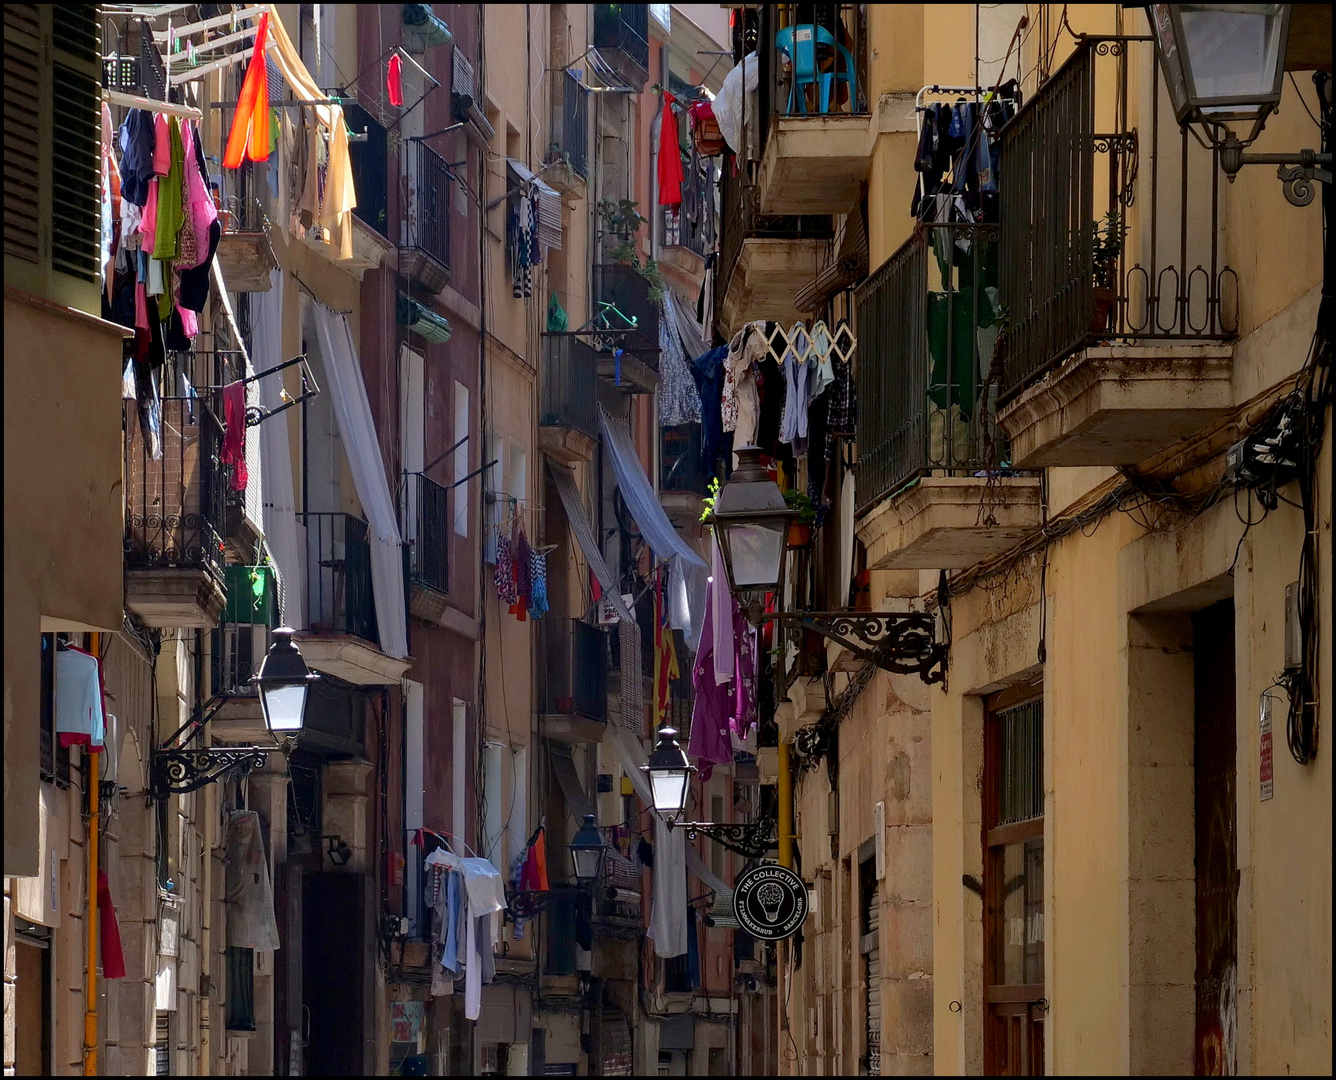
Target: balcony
(424, 248)
(573, 696)
(245, 253)
(568, 423)
(621, 35)
(930, 457)
(815, 121)
(764, 259)
(425, 523)
(238, 649)
(625, 309)
(695, 226)
(568, 162)
(174, 498)
(683, 482)
(342, 638)
(1121, 308)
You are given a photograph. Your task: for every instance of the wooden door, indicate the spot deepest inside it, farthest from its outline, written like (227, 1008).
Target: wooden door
(1013, 817)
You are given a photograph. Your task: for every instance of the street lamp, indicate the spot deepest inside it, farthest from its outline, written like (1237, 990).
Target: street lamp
(751, 521)
(282, 685)
(1224, 65)
(587, 852)
(669, 774)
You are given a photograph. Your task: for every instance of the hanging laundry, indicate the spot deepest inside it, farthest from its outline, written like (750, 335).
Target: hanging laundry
(708, 743)
(234, 435)
(533, 875)
(394, 80)
(670, 156)
(136, 140)
(523, 578)
(538, 605)
(679, 399)
(505, 570)
(80, 720)
(665, 654)
(708, 372)
(171, 212)
(113, 956)
(250, 124)
(798, 367)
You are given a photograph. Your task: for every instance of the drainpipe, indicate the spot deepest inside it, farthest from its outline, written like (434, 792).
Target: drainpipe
(94, 805)
(785, 807)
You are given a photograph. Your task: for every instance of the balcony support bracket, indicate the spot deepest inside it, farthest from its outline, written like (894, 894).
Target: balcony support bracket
(177, 771)
(750, 839)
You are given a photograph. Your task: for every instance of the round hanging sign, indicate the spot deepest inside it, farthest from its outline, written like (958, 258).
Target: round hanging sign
(770, 902)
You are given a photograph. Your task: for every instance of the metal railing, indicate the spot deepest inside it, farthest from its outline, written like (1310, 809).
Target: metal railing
(1110, 218)
(575, 660)
(569, 388)
(174, 487)
(927, 325)
(238, 651)
(696, 224)
(621, 35)
(572, 123)
(427, 218)
(740, 219)
(621, 286)
(814, 62)
(425, 517)
(681, 467)
(338, 576)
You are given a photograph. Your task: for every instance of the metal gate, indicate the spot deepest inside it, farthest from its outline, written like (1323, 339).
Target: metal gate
(869, 947)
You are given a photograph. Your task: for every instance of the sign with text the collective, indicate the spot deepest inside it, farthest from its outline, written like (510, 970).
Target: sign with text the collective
(770, 902)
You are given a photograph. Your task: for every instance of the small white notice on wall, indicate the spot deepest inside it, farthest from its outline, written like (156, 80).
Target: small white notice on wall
(1267, 786)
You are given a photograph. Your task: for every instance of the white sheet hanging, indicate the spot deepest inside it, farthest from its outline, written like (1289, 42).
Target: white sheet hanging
(282, 533)
(353, 411)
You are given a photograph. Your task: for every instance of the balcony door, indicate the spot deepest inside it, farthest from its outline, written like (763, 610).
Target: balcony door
(1014, 999)
(413, 436)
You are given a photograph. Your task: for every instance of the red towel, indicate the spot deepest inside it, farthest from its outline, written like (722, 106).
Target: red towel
(670, 157)
(113, 956)
(234, 436)
(394, 80)
(533, 877)
(250, 125)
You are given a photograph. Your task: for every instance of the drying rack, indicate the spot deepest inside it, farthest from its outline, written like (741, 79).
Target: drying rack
(980, 94)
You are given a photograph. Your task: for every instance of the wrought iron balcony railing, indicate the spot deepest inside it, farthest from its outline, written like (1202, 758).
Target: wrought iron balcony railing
(425, 517)
(927, 323)
(575, 664)
(814, 61)
(426, 223)
(569, 388)
(174, 487)
(632, 309)
(621, 35)
(1110, 217)
(338, 576)
(572, 122)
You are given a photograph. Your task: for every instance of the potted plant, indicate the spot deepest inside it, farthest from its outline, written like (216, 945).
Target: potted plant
(800, 529)
(1106, 247)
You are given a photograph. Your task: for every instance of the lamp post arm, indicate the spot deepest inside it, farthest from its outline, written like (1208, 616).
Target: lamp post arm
(750, 839)
(904, 642)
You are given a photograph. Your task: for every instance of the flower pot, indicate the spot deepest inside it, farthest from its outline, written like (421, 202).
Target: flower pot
(800, 534)
(1104, 299)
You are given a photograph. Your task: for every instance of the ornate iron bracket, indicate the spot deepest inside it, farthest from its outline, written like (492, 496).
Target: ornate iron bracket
(178, 771)
(901, 641)
(750, 839)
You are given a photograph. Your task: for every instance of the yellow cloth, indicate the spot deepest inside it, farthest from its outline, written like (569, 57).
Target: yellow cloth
(335, 215)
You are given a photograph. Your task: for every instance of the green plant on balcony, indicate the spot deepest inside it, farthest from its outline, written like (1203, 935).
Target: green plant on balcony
(707, 503)
(1105, 249)
(800, 529)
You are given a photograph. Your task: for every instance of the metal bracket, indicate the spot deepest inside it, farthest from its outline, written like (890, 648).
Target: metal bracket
(904, 642)
(177, 771)
(750, 839)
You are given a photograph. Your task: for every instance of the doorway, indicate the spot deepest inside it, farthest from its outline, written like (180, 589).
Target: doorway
(335, 994)
(1214, 798)
(1013, 883)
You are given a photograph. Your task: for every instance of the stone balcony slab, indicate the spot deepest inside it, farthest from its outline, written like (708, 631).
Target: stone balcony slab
(1119, 404)
(949, 522)
(166, 597)
(352, 659)
(815, 164)
(768, 274)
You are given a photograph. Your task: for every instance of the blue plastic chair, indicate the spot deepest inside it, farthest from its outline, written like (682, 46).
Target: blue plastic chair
(799, 42)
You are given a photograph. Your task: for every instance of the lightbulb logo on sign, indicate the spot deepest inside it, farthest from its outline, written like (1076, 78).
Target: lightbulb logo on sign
(770, 902)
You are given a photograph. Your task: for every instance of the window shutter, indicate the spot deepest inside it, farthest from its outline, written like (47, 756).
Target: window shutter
(76, 141)
(22, 124)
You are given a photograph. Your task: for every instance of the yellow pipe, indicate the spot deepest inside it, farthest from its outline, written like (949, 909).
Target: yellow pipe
(785, 807)
(94, 805)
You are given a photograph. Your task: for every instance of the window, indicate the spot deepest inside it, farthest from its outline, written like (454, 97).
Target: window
(55, 759)
(1014, 883)
(240, 989)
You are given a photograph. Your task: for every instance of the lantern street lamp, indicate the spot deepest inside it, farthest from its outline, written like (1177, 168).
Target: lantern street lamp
(282, 684)
(669, 774)
(1224, 65)
(751, 520)
(587, 852)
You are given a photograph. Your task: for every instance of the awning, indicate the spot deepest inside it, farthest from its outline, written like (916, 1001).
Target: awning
(568, 779)
(639, 494)
(358, 431)
(849, 267)
(549, 204)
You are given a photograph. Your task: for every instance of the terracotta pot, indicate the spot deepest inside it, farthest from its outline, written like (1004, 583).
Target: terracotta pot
(800, 534)
(1104, 300)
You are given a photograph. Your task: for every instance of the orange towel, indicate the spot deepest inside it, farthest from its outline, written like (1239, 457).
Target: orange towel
(250, 126)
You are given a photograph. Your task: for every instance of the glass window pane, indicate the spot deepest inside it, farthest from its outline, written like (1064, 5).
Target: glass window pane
(1020, 942)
